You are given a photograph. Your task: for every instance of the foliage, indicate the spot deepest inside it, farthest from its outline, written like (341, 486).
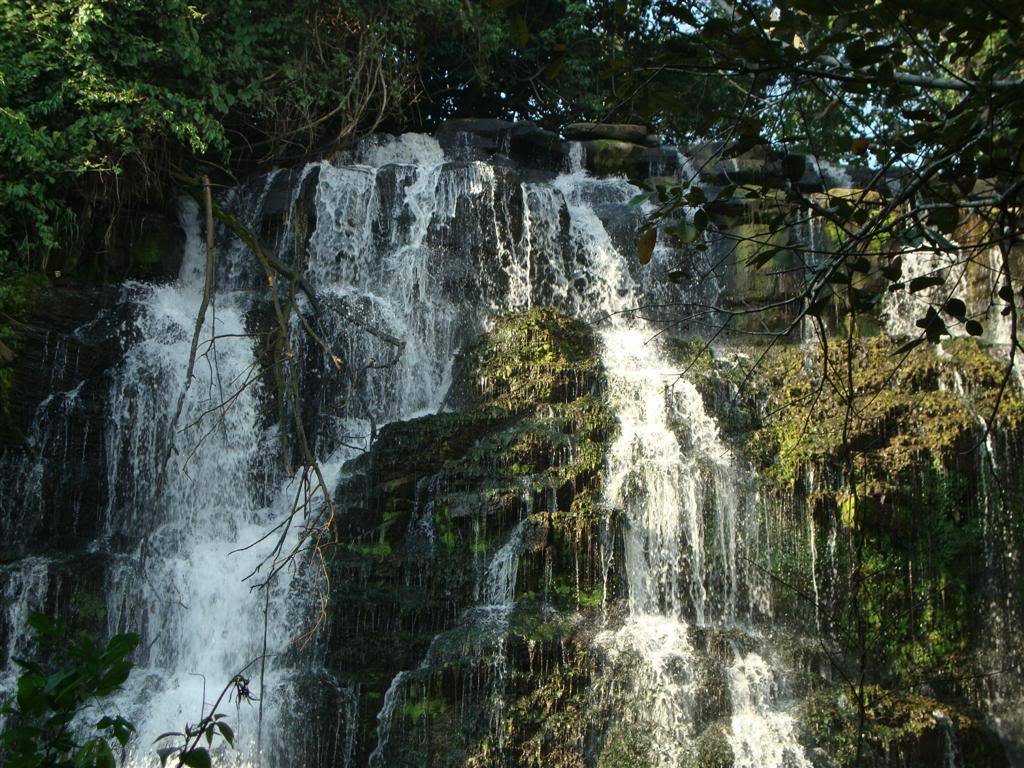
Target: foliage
(914, 532)
(923, 98)
(184, 747)
(906, 414)
(51, 697)
(100, 101)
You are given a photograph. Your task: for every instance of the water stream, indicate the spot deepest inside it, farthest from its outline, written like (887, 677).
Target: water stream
(425, 253)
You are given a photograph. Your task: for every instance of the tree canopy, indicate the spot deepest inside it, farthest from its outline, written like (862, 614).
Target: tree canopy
(100, 100)
(924, 98)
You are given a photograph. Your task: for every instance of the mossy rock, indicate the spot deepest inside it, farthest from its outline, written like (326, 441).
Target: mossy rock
(907, 411)
(712, 748)
(627, 746)
(901, 729)
(528, 358)
(608, 157)
(426, 509)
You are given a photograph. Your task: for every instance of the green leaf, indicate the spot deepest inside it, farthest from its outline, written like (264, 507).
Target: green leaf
(909, 345)
(196, 758)
(726, 192)
(933, 326)
(863, 299)
(685, 231)
(762, 256)
(113, 678)
(45, 626)
(645, 245)
(227, 733)
(700, 220)
(167, 735)
(974, 328)
(519, 32)
(894, 271)
(104, 757)
(925, 281)
(122, 645)
(861, 264)
(944, 219)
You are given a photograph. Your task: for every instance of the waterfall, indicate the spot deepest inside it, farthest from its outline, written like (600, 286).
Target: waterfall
(181, 579)
(414, 254)
(490, 617)
(424, 252)
(684, 572)
(760, 735)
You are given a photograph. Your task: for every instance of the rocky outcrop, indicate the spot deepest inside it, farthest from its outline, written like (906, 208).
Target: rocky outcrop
(476, 577)
(52, 451)
(428, 510)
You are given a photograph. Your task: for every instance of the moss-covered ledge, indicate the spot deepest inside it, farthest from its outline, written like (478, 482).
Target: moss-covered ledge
(938, 496)
(424, 512)
(922, 408)
(904, 729)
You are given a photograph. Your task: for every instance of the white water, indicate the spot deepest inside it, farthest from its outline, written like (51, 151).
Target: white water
(682, 564)
(426, 253)
(760, 734)
(182, 584)
(974, 282)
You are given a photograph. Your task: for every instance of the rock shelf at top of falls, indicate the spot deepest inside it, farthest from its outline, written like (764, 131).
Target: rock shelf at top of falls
(552, 547)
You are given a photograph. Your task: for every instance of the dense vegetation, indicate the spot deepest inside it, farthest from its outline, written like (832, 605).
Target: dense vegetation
(56, 691)
(109, 108)
(104, 105)
(102, 102)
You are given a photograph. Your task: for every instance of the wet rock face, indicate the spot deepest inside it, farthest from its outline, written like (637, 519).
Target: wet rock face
(429, 511)
(53, 493)
(473, 551)
(52, 451)
(909, 730)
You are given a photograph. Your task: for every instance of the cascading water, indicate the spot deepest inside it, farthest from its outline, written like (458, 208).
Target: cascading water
(382, 247)
(414, 255)
(668, 461)
(686, 569)
(180, 580)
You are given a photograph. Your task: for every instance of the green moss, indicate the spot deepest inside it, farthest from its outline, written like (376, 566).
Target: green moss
(617, 158)
(906, 411)
(528, 358)
(377, 550)
(548, 722)
(427, 707)
(626, 746)
(712, 749)
(897, 723)
(144, 253)
(529, 439)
